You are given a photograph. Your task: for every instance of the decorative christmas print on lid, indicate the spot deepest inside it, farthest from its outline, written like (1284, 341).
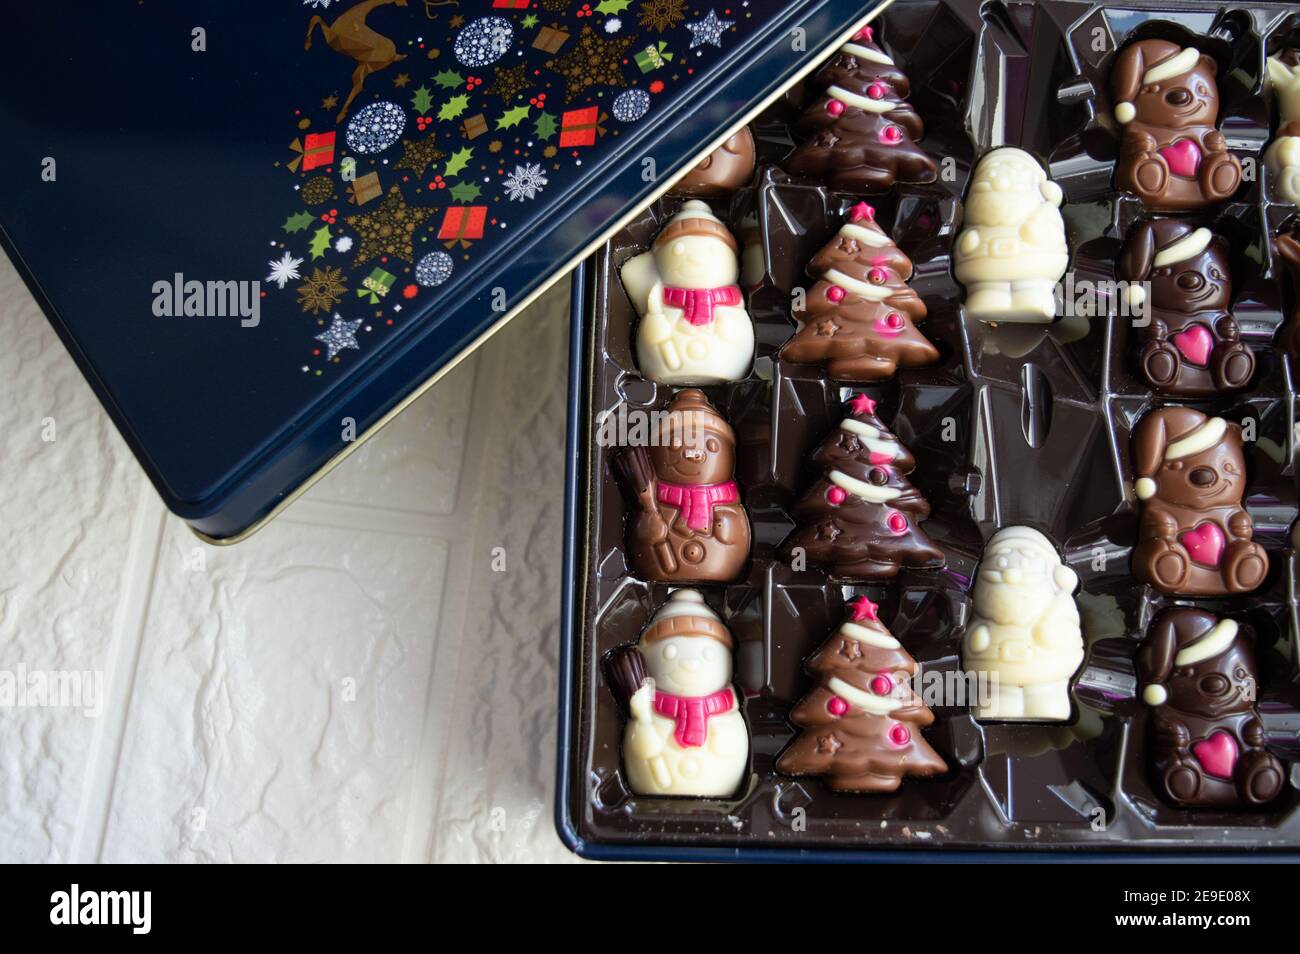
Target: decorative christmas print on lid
(375, 128)
(858, 319)
(861, 517)
(861, 725)
(860, 134)
(484, 41)
(423, 136)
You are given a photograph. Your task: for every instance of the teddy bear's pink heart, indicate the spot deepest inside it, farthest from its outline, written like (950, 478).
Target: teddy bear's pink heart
(1195, 343)
(1183, 157)
(1217, 754)
(1203, 543)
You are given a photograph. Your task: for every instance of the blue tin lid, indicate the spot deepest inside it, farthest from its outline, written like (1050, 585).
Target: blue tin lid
(262, 228)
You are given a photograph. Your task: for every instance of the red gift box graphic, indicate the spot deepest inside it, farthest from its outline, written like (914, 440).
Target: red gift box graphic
(314, 151)
(511, 4)
(580, 127)
(463, 224)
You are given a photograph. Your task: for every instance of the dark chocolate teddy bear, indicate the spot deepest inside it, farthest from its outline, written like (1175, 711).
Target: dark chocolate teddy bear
(1207, 740)
(1172, 157)
(1193, 344)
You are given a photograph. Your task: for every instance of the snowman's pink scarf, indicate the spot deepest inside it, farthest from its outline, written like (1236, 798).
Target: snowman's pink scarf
(692, 714)
(697, 303)
(696, 501)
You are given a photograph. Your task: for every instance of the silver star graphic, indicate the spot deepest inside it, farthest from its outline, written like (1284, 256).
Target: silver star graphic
(709, 30)
(339, 335)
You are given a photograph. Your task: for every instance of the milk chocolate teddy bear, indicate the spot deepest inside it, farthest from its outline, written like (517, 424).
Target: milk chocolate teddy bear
(1207, 740)
(1193, 344)
(1194, 537)
(690, 525)
(1172, 157)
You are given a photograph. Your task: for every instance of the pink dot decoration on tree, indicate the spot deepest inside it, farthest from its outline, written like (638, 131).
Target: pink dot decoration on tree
(837, 706)
(836, 495)
(877, 276)
(835, 107)
(897, 522)
(899, 735)
(890, 134)
(835, 293)
(882, 685)
(894, 320)
(876, 91)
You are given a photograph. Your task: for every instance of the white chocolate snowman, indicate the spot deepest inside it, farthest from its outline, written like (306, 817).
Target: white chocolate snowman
(694, 328)
(1025, 634)
(1282, 158)
(1012, 251)
(686, 735)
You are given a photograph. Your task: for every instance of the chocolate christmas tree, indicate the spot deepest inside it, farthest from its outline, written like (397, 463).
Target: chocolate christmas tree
(860, 518)
(862, 723)
(857, 319)
(860, 134)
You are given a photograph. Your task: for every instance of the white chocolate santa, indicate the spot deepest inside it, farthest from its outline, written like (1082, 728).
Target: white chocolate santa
(686, 735)
(1282, 158)
(1025, 634)
(1012, 251)
(694, 328)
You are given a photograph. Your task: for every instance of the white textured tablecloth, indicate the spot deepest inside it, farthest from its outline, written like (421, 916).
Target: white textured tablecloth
(354, 683)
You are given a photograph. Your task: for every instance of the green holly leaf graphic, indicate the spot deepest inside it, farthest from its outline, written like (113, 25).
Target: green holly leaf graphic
(458, 161)
(613, 6)
(545, 126)
(513, 117)
(422, 101)
(298, 221)
(320, 241)
(465, 191)
(454, 107)
(448, 79)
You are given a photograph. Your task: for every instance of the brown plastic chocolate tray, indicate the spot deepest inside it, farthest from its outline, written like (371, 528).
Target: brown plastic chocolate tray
(1039, 420)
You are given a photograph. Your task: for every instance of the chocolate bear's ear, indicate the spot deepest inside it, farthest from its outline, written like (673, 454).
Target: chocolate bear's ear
(1155, 660)
(1208, 64)
(1149, 442)
(1139, 252)
(1126, 76)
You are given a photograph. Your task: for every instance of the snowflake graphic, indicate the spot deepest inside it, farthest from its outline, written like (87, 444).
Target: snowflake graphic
(316, 4)
(525, 182)
(613, 25)
(484, 41)
(592, 61)
(434, 269)
(322, 290)
(284, 270)
(376, 127)
(343, 243)
(708, 31)
(339, 335)
(662, 15)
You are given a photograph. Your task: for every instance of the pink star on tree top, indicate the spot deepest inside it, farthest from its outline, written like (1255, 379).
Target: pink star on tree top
(866, 33)
(863, 609)
(862, 211)
(861, 404)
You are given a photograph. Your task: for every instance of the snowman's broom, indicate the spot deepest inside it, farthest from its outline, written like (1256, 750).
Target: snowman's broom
(627, 674)
(638, 475)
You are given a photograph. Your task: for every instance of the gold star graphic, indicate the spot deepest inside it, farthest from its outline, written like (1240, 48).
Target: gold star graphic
(400, 80)
(388, 230)
(592, 61)
(416, 156)
(329, 102)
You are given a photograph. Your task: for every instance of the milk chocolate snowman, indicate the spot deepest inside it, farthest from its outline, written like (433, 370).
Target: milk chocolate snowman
(722, 171)
(694, 328)
(1194, 536)
(685, 734)
(689, 525)
(1207, 739)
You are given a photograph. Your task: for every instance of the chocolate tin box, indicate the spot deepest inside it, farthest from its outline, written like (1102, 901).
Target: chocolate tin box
(262, 229)
(933, 490)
